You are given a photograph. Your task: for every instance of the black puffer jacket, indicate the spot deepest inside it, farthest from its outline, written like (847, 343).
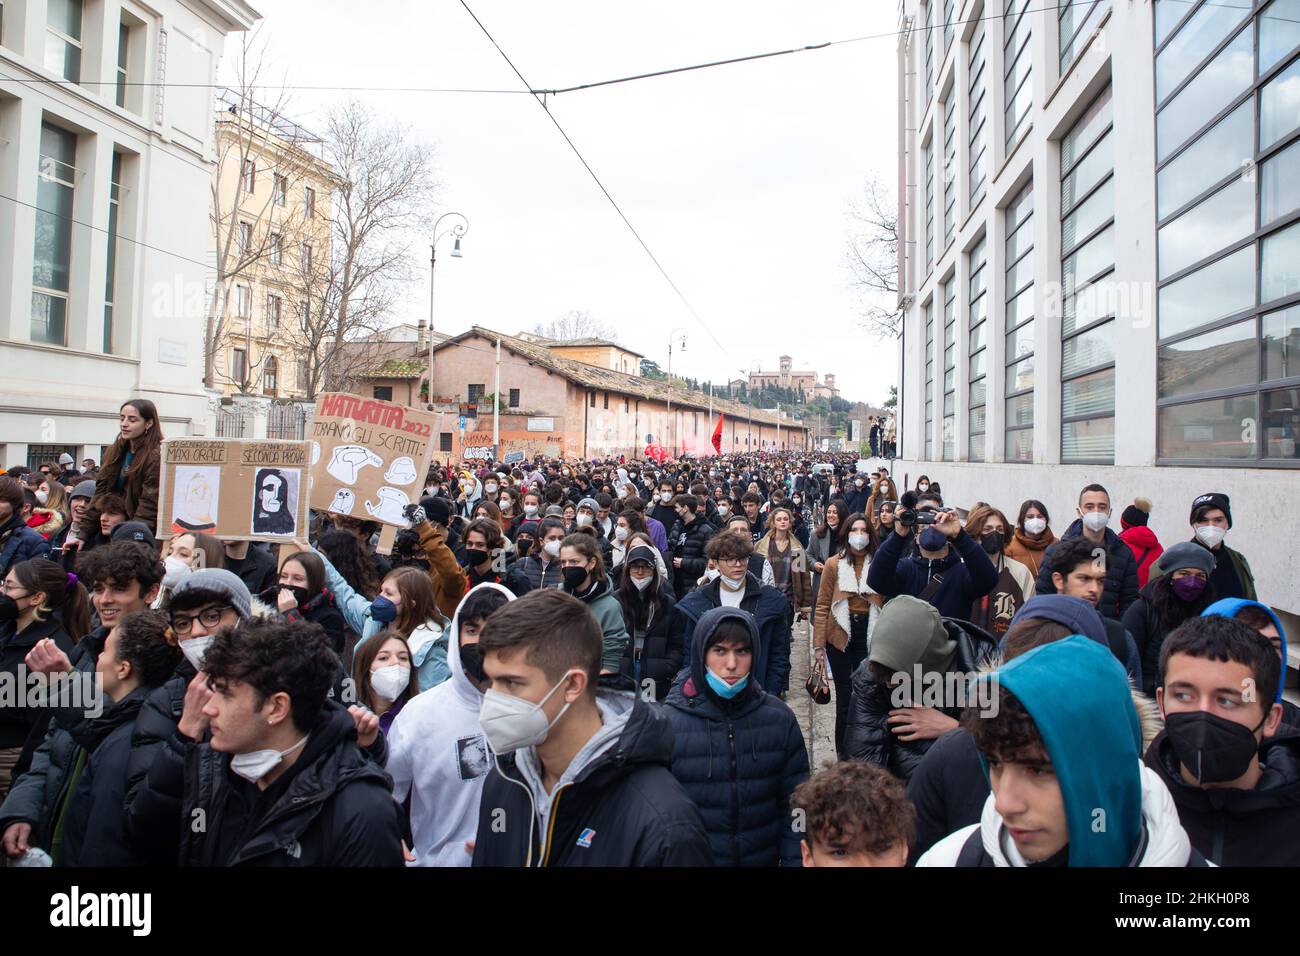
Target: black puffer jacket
(1121, 588)
(153, 815)
(738, 759)
(661, 652)
(687, 542)
(948, 789)
(94, 832)
(1240, 827)
(527, 575)
(869, 736)
(16, 722)
(622, 808)
(333, 807)
(322, 610)
(37, 794)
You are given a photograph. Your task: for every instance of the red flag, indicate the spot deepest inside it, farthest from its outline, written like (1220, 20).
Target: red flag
(717, 437)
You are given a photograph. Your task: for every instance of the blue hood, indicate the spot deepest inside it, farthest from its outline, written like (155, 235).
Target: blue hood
(1230, 607)
(1074, 613)
(1082, 705)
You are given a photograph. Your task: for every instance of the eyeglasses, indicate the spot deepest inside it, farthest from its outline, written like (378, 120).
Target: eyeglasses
(735, 562)
(13, 589)
(209, 617)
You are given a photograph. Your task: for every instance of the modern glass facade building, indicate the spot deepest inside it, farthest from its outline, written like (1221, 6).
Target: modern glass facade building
(1110, 290)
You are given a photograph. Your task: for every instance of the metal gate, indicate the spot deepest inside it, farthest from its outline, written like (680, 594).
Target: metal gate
(286, 422)
(230, 423)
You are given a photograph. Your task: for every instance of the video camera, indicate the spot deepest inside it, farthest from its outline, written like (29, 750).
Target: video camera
(911, 517)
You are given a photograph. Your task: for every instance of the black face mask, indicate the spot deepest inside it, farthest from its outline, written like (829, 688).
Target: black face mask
(573, 578)
(991, 543)
(475, 557)
(301, 595)
(523, 546)
(1211, 748)
(472, 661)
(8, 609)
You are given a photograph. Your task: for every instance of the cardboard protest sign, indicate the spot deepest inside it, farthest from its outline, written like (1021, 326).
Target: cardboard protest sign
(369, 457)
(233, 489)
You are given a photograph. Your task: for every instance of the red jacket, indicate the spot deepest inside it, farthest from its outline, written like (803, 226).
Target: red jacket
(1146, 549)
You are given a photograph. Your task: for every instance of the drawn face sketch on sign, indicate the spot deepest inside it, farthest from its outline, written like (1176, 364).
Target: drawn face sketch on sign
(275, 500)
(344, 501)
(389, 506)
(197, 491)
(400, 472)
(348, 460)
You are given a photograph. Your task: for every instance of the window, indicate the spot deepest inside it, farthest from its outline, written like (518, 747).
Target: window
(1088, 307)
(930, 346)
(309, 200)
(243, 301)
(592, 396)
(1019, 390)
(63, 39)
(270, 376)
(975, 125)
(1017, 91)
(304, 316)
(249, 176)
(276, 248)
(949, 15)
(514, 398)
(280, 189)
(306, 257)
(929, 207)
(476, 393)
(52, 259)
(383, 392)
(245, 238)
(444, 441)
(949, 368)
(110, 271)
(1228, 234)
(274, 310)
(123, 49)
(949, 167)
(928, 76)
(607, 400)
(976, 349)
(1078, 18)
(304, 375)
(238, 366)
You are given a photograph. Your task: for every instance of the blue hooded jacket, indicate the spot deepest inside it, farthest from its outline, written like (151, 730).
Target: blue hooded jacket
(1231, 607)
(1080, 700)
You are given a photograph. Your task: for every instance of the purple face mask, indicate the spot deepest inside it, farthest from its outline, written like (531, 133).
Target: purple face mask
(1188, 588)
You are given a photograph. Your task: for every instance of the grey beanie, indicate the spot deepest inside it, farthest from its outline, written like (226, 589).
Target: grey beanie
(589, 503)
(219, 581)
(1187, 554)
(83, 489)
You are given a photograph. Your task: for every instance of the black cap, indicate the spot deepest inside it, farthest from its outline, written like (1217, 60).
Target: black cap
(133, 531)
(1213, 499)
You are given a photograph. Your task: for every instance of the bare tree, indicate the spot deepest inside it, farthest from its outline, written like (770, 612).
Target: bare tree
(574, 325)
(261, 155)
(383, 197)
(872, 259)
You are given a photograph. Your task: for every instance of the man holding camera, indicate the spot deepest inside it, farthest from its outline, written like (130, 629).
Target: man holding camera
(949, 569)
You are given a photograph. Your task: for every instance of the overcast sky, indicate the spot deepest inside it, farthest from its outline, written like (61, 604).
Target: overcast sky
(739, 177)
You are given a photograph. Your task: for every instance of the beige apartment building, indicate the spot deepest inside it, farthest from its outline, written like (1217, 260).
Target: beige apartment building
(270, 248)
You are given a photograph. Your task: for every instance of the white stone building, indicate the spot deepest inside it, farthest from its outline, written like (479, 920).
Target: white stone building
(1099, 266)
(105, 180)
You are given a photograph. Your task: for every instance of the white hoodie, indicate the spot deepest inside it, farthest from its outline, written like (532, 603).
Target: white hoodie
(437, 753)
(1167, 842)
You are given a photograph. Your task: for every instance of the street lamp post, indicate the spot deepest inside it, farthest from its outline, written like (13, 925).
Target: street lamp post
(672, 438)
(458, 228)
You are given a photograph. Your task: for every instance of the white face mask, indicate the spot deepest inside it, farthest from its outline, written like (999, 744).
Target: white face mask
(621, 534)
(666, 497)
(177, 571)
(724, 510)
(505, 503)
(1096, 520)
(584, 520)
(195, 648)
(42, 496)
(1210, 535)
(641, 583)
(858, 542)
(511, 723)
(622, 492)
(490, 487)
(530, 510)
(389, 682)
(256, 765)
(552, 548)
(712, 574)
(1035, 525)
(731, 585)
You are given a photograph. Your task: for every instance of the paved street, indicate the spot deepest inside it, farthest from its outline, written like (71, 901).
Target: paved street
(816, 721)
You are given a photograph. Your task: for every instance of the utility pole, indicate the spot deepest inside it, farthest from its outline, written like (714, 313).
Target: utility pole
(496, 406)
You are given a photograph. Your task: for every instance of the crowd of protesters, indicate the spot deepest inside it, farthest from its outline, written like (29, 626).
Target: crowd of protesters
(588, 663)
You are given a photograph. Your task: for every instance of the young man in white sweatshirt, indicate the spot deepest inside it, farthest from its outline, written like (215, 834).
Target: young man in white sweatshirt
(437, 753)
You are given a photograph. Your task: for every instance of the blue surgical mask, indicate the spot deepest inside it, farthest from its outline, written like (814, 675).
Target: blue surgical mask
(722, 688)
(383, 610)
